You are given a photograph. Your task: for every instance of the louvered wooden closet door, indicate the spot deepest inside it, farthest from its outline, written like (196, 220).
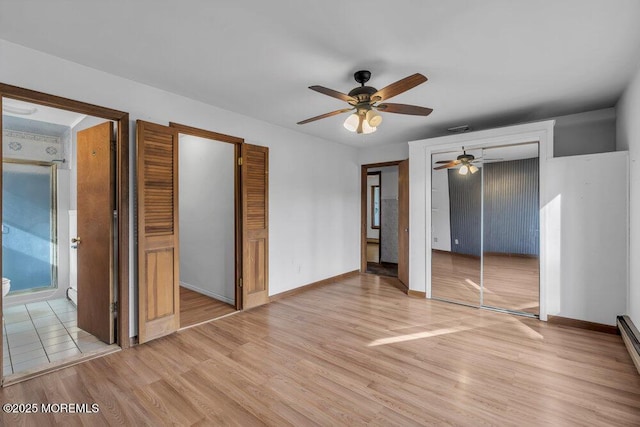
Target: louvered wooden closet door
(158, 249)
(255, 225)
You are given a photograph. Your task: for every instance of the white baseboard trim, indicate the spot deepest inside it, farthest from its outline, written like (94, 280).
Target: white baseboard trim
(207, 293)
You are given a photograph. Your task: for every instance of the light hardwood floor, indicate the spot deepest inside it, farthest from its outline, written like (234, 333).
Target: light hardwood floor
(353, 353)
(197, 308)
(510, 282)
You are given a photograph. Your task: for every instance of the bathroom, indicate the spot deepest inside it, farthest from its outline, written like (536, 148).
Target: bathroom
(40, 239)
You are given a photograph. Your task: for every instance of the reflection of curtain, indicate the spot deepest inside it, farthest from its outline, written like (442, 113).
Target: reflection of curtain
(27, 226)
(465, 206)
(511, 212)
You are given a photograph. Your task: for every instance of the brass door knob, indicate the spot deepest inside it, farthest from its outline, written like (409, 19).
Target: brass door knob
(75, 240)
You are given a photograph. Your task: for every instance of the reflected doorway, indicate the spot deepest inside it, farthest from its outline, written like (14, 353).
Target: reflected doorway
(382, 221)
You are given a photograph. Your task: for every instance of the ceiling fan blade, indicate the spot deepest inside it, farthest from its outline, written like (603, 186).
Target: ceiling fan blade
(398, 87)
(334, 94)
(448, 165)
(413, 110)
(324, 116)
(445, 161)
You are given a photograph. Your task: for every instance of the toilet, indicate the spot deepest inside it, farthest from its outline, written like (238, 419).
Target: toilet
(6, 286)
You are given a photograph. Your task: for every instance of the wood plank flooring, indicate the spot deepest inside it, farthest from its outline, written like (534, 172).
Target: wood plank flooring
(197, 308)
(510, 282)
(357, 352)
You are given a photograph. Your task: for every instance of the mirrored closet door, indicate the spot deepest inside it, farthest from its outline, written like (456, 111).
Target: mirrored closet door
(456, 217)
(485, 227)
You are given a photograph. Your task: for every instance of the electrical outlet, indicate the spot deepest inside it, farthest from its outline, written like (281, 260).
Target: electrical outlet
(456, 241)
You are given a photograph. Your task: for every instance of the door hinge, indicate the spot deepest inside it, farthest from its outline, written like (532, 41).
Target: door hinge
(240, 282)
(114, 306)
(239, 161)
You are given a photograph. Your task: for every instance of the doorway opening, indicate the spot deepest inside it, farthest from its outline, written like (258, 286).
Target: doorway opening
(62, 270)
(50, 156)
(385, 219)
(209, 225)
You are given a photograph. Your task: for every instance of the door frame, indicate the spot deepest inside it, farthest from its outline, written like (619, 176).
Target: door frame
(237, 191)
(364, 170)
(122, 188)
(370, 194)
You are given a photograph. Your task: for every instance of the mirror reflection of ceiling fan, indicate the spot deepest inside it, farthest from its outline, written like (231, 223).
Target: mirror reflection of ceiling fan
(465, 161)
(366, 101)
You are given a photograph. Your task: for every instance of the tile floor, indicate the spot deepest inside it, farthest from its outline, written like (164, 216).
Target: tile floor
(39, 333)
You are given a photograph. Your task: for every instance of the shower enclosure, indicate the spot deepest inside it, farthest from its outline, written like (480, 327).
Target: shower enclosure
(29, 212)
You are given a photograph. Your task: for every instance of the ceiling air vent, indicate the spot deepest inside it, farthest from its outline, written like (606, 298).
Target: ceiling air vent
(459, 129)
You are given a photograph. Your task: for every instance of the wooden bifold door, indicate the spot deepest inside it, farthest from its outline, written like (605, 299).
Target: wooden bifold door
(158, 232)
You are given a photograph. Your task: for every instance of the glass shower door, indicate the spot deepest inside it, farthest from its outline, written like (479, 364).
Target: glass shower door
(29, 225)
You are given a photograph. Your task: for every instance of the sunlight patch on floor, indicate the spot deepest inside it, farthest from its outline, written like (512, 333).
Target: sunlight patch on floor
(419, 335)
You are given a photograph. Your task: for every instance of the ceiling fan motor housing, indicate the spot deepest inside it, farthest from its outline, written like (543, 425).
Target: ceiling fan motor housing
(466, 158)
(363, 94)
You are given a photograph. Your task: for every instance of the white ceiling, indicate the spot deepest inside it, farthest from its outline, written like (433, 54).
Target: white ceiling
(489, 63)
(40, 113)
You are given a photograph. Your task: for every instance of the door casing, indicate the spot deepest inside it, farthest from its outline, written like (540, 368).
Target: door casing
(364, 169)
(237, 142)
(122, 188)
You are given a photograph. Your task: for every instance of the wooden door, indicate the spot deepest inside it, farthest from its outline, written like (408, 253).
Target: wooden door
(403, 222)
(96, 202)
(158, 249)
(255, 225)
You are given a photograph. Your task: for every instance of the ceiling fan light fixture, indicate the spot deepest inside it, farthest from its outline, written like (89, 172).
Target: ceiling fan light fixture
(352, 122)
(364, 100)
(366, 128)
(473, 169)
(463, 170)
(14, 109)
(373, 118)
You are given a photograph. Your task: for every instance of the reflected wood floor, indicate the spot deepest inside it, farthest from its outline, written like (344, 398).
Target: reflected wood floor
(510, 282)
(455, 277)
(197, 308)
(355, 352)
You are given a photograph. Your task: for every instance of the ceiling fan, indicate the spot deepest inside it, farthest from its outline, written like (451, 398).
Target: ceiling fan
(366, 101)
(464, 159)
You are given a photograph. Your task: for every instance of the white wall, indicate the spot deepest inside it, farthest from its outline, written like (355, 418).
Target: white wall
(588, 209)
(585, 133)
(387, 153)
(628, 138)
(207, 226)
(314, 189)
(389, 182)
(440, 211)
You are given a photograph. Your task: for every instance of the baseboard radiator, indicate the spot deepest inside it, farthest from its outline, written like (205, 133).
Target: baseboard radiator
(631, 338)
